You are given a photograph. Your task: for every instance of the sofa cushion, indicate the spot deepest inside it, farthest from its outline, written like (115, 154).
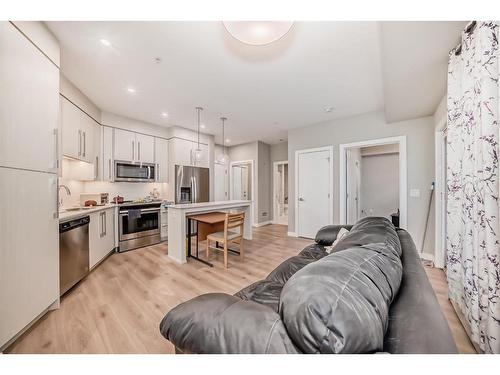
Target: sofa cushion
(266, 292)
(370, 230)
(340, 303)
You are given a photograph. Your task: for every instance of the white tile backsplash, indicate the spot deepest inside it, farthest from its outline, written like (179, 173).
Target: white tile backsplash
(128, 190)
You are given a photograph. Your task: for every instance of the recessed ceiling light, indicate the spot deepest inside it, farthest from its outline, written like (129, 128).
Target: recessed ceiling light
(202, 126)
(328, 109)
(164, 114)
(131, 90)
(105, 42)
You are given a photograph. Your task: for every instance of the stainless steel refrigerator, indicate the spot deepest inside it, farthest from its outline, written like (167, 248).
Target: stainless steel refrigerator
(191, 184)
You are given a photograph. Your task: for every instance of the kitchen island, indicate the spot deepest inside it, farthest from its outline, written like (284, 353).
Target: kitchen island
(177, 214)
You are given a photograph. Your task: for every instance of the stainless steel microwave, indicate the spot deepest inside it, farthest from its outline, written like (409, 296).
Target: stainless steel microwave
(134, 172)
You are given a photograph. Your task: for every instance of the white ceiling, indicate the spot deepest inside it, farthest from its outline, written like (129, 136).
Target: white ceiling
(354, 67)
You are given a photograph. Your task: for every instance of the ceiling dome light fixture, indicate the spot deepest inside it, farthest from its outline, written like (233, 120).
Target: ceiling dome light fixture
(258, 33)
(224, 158)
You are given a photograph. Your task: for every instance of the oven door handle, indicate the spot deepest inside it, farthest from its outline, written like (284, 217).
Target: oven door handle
(146, 210)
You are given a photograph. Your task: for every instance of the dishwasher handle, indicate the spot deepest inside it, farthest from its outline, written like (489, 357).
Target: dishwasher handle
(72, 224)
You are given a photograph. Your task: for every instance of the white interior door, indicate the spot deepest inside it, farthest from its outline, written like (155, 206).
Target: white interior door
(237, 191)
(313, 192)
(220, 182)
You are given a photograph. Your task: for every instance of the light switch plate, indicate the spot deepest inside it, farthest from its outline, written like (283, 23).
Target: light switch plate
(415, 193)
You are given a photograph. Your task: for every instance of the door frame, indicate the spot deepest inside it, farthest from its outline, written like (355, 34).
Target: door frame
(252, 184)
(440, 192)
(403, 180)
(275, 169)
(296, 192)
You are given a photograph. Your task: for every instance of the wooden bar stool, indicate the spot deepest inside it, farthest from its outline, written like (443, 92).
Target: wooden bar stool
(231, 221)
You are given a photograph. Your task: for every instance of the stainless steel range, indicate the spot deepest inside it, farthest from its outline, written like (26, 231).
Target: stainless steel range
(139, 225)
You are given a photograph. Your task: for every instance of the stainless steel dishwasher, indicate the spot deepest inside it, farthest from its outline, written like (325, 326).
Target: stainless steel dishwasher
(73, 252)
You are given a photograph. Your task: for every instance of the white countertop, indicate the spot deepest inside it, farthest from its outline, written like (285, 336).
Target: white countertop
(73, 214)
(217, 204)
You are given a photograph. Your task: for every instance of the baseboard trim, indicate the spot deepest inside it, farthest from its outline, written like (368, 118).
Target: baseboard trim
(262, 224)
(427, 256)
(292, 234)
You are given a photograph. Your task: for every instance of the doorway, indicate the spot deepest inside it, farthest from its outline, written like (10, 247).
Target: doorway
(314, 190)
(280, 194)
(373, 180)
(241, 182)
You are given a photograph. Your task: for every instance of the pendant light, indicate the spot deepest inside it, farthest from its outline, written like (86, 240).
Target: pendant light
(198, 153)
(224, 158)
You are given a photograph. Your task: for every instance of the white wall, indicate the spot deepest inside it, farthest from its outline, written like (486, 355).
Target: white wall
(420, 154)
(380, 184)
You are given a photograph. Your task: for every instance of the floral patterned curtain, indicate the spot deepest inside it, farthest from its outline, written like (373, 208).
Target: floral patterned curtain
(473, 231)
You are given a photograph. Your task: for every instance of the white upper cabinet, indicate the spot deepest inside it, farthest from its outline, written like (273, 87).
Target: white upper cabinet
(107, 154)
(71, 133)
(145, 148)
(78, 133)
(29, 101)
(134, 147)
(183, 153)
(161, 158)
(125, 146)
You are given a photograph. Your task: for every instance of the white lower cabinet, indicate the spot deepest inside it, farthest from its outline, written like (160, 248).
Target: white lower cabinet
(101, 235)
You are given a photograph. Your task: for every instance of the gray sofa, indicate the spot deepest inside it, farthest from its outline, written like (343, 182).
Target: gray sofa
(370, 294)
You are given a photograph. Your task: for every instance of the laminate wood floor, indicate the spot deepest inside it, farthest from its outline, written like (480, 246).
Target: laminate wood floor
(119, 306)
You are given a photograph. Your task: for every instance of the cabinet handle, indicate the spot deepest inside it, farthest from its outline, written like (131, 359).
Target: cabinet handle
(101, 235)
(133, 150)
(105, 216)
(96, 167)
(84, 144)
(109, 168)
(56, 140)
(55, 215)
(138, 150)
(79, 142)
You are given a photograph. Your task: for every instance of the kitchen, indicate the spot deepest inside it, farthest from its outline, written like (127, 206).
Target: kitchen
(94, 182)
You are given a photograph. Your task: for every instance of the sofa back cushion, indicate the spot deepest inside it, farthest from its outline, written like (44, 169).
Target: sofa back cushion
(340, 303)
(370, 230)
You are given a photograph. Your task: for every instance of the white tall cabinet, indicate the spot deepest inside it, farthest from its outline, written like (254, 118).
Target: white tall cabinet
(29, 126)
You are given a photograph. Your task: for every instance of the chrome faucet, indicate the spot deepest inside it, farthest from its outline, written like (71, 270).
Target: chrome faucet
(67, 192)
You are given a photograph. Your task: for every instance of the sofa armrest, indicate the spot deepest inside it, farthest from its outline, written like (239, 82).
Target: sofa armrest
(221, 323)
(328, 234)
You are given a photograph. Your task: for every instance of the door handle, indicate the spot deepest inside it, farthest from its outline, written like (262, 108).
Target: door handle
(301, 199)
